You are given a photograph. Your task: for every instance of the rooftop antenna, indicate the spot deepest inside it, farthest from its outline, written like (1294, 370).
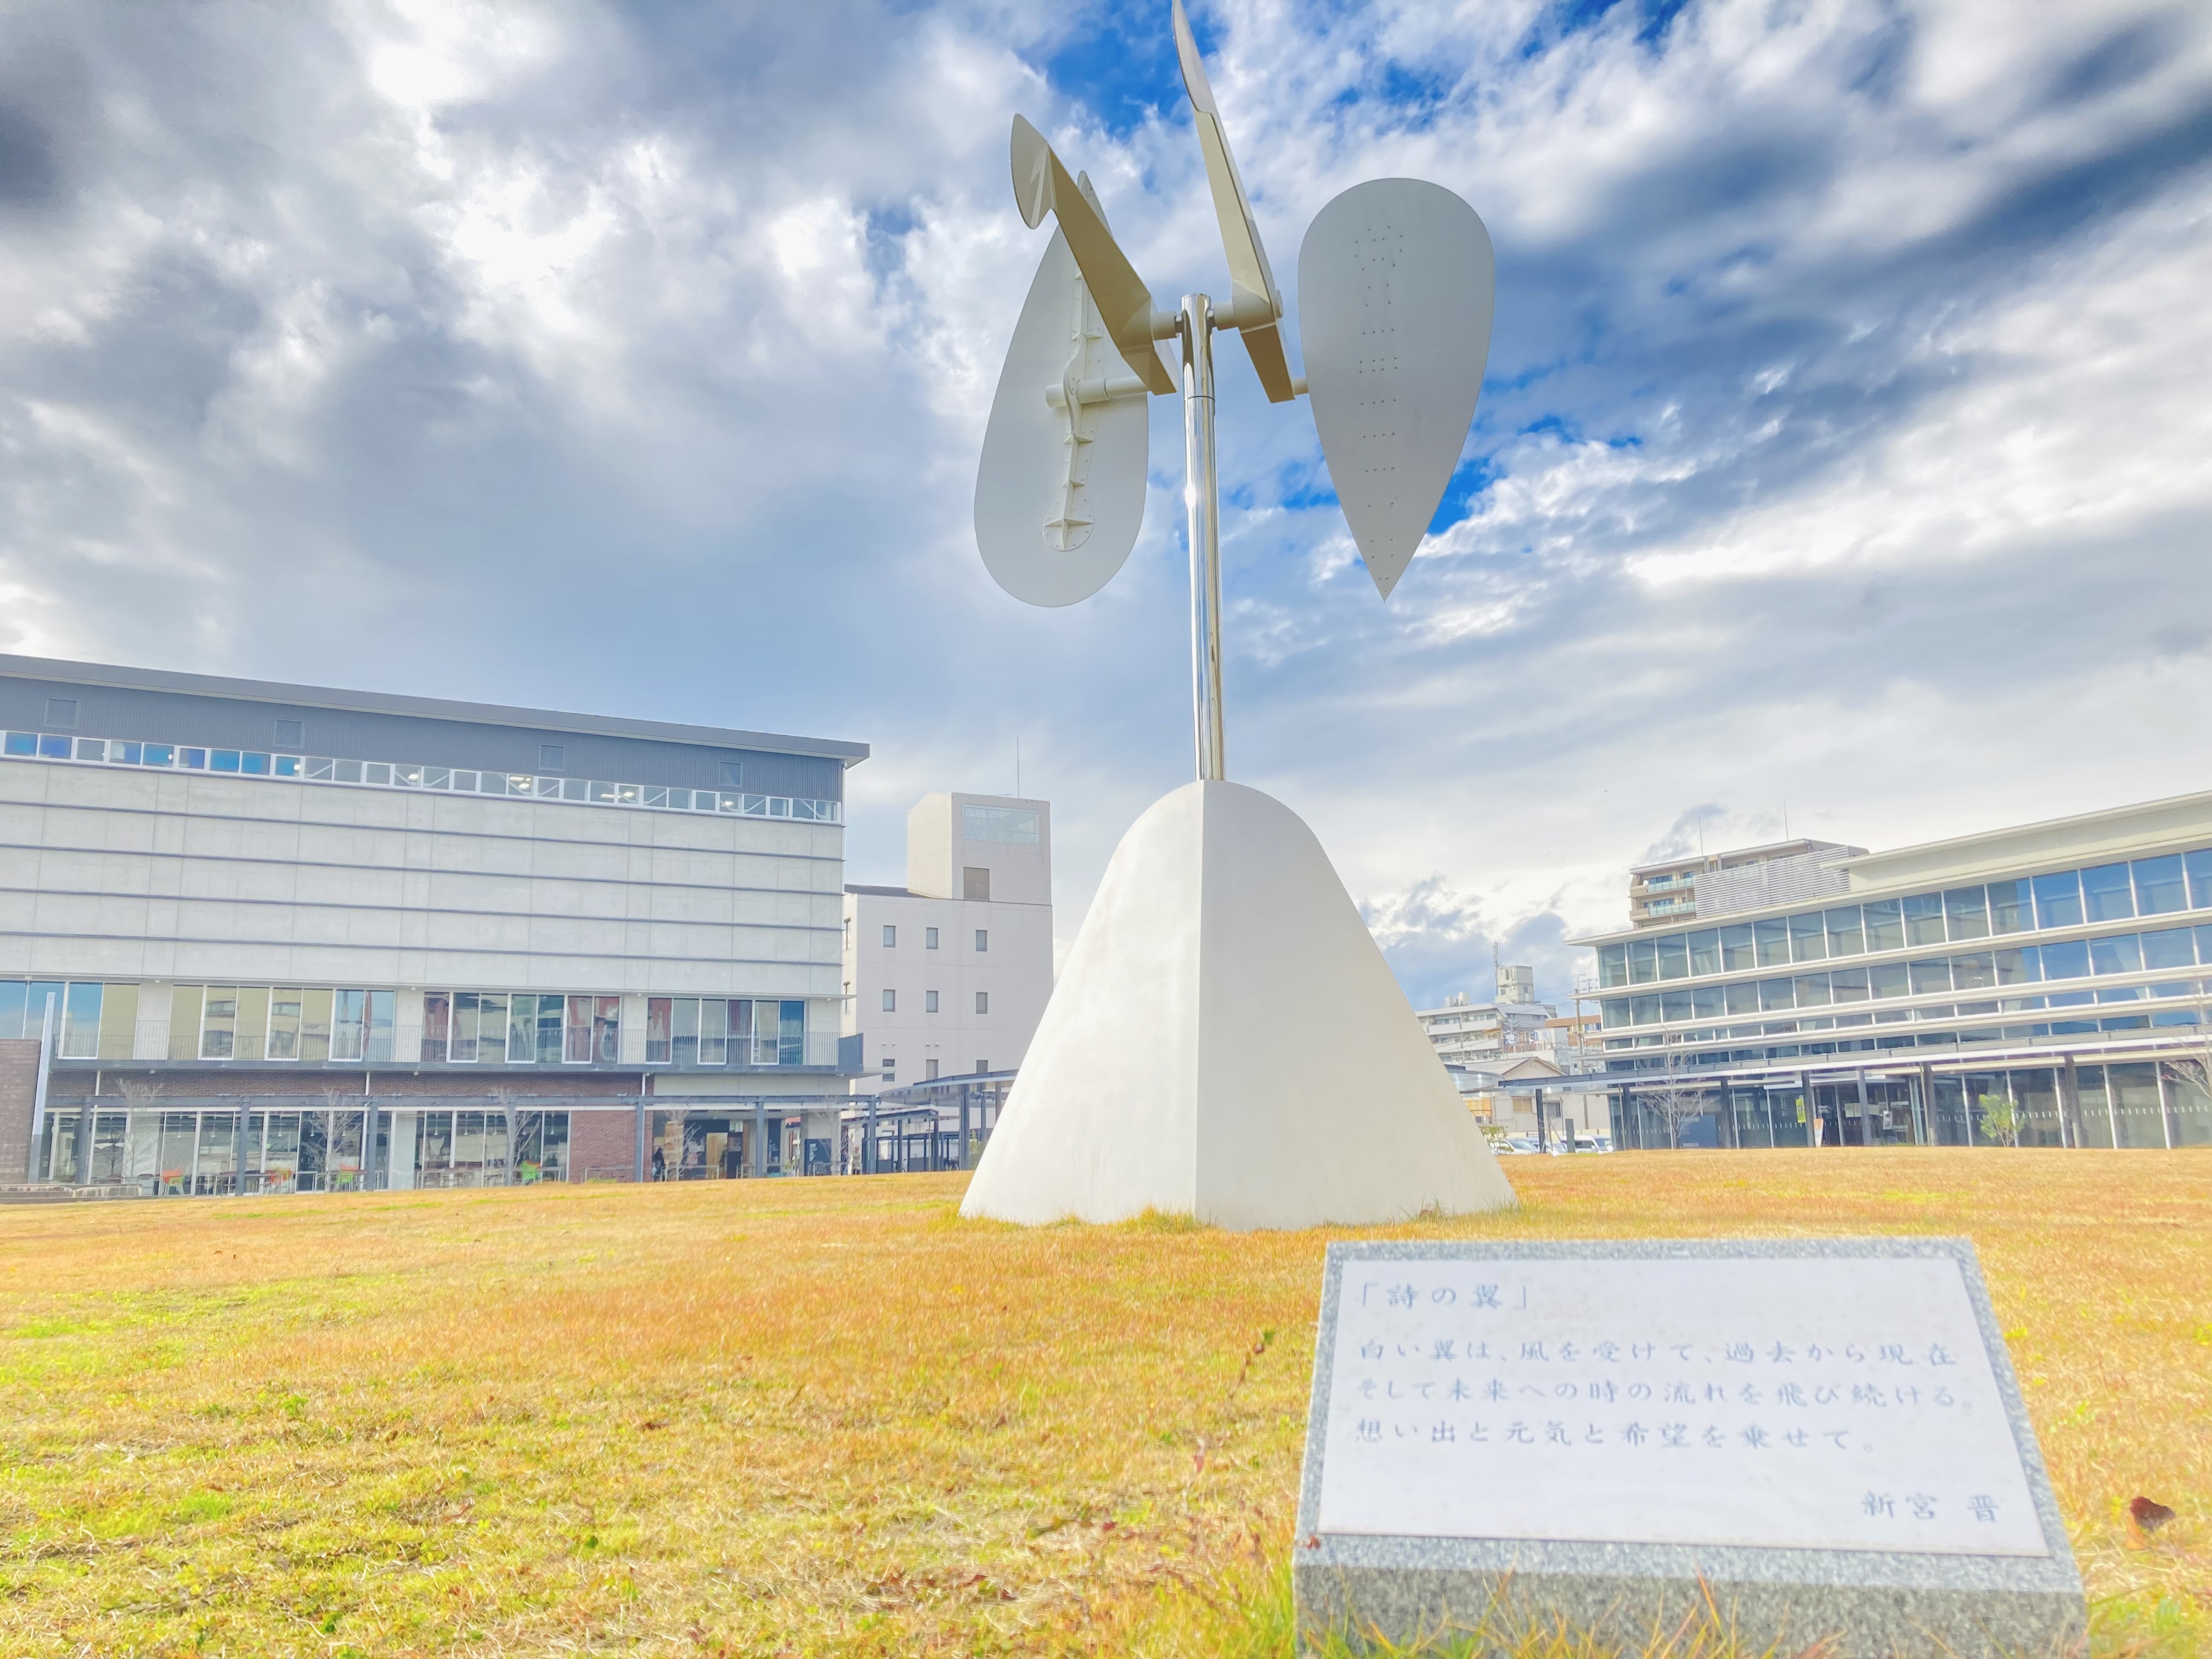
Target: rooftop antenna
(1220, 923)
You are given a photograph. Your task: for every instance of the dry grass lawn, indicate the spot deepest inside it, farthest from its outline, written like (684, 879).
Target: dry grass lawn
(827, 1417)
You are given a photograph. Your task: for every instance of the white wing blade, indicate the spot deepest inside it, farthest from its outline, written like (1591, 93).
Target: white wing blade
(1041, 186)
(1250, 274)
(1060, 492)
(1396, 285)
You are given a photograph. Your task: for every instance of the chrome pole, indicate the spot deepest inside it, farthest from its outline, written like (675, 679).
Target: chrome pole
(1202, 514)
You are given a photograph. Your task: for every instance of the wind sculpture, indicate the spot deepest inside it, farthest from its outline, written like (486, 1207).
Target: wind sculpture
(1227, 1042)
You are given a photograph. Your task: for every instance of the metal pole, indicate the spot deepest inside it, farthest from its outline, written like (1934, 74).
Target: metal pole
(1202, 513)
(32, 1170)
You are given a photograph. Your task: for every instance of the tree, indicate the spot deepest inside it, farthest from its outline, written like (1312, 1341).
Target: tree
(1675, 1099)
(2000, 1120)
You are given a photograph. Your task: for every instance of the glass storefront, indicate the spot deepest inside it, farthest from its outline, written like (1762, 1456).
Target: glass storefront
(2134, 1104)
(205, 1154)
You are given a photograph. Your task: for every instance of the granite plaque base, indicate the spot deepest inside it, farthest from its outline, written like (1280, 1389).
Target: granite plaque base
(1803, 1442)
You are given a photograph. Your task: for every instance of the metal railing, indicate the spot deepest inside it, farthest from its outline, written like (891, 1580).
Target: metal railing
(405, 775)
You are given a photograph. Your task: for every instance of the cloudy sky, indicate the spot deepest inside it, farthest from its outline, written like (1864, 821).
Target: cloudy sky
(1842, 453)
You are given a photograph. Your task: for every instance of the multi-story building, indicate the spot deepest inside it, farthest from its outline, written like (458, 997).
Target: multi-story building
(948, 975)
(1479, 1034)
(1666, 893)
(299, 938)
(2043, 984)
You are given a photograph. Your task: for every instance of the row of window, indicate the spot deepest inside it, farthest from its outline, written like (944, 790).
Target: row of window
(519, 1027)
(198, 1154)
(929, 1001)
(2064, 898)
(77, 1007)
(312, 1024)
(395, 775)
(1661, 1056)
(929, 939)
(1977, 971)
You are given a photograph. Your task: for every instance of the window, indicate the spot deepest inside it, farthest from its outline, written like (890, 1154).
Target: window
(80, 1021)
(1643, 962)
(1889, 980)
(1849, 984)
(929, 1070)
(1735, 948)
(2105, 892)
(480, 1027)
(2199, 865)
(731, 774)
(1967, 912)
(1975, 972)
(552, 757)
(982, 1002)
(219, 1023)
(982, 938)
(594, 1031)
(1775, 994)
(2159, 886)
(291, 734)
(2172, 948)
(1772, 938)
(1930, 976)
(1845, 938)
(2011, 908)
(1885, 925)
(1924, 919)
(982, 1066)
(61, 713)
(1705, 952)
(929, 1002)
(437, 1026)
(2067, 960)
(349, 1025)
(2120, 954)
(2058, 899)
(713, 1034)
(1707, 1002)
(1612, 966)
(659, 1020)
(891, 1069)
(1674, 957)
(1812, 991)
(890, 937)
(929, 939)
(285, 1011)
(976, 882)
(1014, 825)
(890, 1000)
(1809, 938)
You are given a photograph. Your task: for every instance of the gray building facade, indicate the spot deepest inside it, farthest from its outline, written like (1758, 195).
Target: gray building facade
(296, 939)
(2041, 985)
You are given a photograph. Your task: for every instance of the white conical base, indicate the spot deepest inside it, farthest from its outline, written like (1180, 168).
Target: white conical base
(1227, 1042)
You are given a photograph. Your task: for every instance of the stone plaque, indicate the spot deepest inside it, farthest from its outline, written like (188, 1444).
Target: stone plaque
(1828, 1430)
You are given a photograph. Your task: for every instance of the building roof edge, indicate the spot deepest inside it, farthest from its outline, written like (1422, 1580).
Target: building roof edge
(390, 702)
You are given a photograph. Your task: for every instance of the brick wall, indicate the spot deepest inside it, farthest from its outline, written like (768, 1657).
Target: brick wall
(19, 1087)
(602, 1144)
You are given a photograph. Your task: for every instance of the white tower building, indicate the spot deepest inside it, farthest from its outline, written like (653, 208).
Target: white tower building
(949, 974)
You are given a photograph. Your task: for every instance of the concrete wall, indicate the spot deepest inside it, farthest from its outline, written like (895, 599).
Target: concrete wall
(1016, 974)
(112, 873)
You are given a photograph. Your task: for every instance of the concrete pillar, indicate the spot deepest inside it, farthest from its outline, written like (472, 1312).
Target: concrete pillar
(760, 1137)
(868, 1146)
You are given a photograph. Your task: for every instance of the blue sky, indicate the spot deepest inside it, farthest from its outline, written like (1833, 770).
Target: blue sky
(1841, 454)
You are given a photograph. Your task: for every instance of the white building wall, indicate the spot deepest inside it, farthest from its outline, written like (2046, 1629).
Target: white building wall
(116, 874)
(1015, 974)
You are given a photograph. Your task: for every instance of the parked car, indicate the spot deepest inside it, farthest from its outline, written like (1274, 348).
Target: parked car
(1518, 1144)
